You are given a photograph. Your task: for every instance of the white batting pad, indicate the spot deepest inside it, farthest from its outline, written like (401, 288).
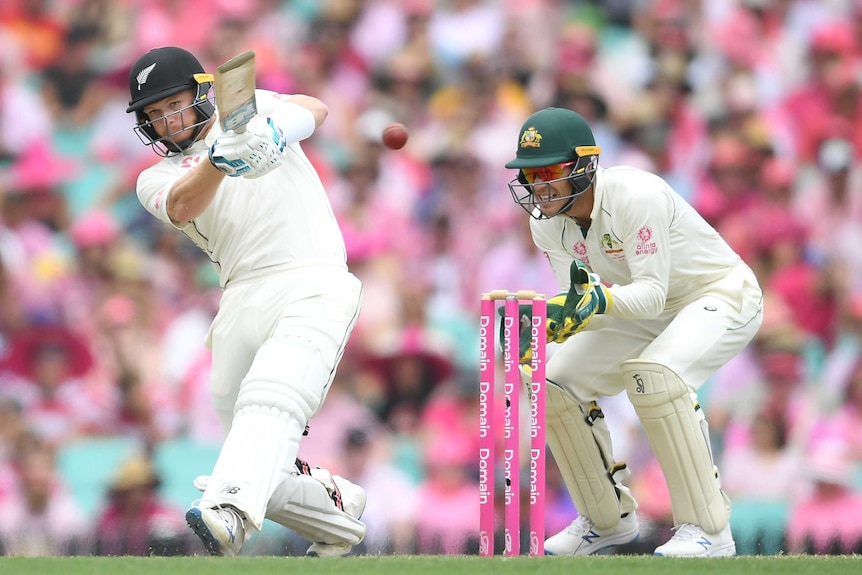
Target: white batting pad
(584, 456)
(258, 446)
(663, 403)
(303, 503)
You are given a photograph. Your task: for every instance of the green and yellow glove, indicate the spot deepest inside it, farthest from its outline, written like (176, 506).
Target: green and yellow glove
(586, 297)
(556, 314)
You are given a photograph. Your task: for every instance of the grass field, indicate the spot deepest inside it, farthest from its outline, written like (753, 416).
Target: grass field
(431, 565)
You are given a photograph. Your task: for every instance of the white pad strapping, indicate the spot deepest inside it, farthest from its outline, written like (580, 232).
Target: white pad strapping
(584, 456)
(249, 467)
(672, 425)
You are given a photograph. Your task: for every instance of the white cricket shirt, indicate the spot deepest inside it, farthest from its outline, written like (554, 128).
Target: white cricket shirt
(645, 239)
(280, 221)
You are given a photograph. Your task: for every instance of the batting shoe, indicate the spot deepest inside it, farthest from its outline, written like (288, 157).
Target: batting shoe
(221, 529)
(692, 541)
(582, 537)
(351, 499)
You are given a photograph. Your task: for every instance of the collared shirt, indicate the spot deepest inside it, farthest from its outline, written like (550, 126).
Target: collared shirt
(280, 221)
(645, 240)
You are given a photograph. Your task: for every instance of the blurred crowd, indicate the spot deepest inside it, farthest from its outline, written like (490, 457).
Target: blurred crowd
(751, 109)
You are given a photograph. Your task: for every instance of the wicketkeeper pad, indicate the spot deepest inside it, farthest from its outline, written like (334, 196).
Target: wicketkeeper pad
(581, 444)
(672, 424)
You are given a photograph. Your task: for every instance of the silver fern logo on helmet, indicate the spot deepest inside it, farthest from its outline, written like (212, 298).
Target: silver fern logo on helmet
(144, 74)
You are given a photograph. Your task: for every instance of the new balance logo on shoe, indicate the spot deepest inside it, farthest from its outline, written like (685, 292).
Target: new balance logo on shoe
(693, 541)
(582, 537)
(231, 489)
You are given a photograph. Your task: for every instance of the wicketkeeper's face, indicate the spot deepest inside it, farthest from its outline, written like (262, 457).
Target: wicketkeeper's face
(550, 186)
(174, 116)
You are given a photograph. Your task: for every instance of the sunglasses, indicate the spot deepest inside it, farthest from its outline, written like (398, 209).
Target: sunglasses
(546, 173)
(558, 171)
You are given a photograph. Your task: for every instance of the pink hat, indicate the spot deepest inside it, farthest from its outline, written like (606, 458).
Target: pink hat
(96, 228)
(38, 168)
(778, 172)
(729, 152)
(414, 342)
(451, 449)
(780, 227)
(834, 37)
(829, 463)
(854, 306)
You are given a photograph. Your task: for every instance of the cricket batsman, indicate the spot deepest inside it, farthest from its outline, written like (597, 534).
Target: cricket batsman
(255, 205)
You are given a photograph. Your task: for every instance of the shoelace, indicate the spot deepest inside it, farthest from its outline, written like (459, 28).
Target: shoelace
(580, 526)
(687, 532)
(234, 520)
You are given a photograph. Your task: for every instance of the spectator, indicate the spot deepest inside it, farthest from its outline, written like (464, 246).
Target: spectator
(46, 368)
(763, 446)
(24, 116)
(40, 518)
(135, 519)
(70, 85)
(828, 520)
(391, 528)
(446, 518)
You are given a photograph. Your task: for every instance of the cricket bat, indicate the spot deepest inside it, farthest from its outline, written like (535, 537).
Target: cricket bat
(234, 92)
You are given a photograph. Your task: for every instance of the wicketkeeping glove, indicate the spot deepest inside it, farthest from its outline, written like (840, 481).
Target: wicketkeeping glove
(251, 154)
(586, 297)
(556, 307)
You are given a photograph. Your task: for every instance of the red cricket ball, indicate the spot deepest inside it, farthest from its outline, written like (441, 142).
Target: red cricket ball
(395, 136)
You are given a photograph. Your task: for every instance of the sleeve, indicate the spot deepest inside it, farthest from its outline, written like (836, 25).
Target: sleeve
(152, 189)
(296, 122)
(645, 221)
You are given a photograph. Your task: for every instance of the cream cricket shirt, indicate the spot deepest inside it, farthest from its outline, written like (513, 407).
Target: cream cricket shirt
(649, 244)
(280, 221)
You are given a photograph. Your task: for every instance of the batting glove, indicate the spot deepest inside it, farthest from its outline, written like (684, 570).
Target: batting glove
(251, 154)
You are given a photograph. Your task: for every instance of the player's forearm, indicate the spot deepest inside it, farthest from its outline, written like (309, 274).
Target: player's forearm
(193, 193)
(312, 104)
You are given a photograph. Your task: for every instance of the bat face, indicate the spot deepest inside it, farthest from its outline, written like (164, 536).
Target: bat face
(234, 92)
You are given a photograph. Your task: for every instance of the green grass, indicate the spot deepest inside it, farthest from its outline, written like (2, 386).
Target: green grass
(431, 565)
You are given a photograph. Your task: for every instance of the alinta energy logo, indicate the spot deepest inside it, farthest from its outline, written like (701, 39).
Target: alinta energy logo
(580, 251)
(646, 247)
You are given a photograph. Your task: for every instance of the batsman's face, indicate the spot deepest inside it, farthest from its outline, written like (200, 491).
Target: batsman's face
(174, 116)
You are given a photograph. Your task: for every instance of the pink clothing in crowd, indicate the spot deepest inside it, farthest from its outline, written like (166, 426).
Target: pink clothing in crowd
(825, 520)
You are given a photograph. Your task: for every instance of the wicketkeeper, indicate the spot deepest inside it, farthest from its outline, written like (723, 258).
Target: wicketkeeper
(654, 301)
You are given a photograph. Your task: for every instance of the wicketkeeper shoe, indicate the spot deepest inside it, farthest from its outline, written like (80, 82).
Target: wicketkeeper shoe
(221, 529)
(351, 499)
(692, 541)
(582, 537)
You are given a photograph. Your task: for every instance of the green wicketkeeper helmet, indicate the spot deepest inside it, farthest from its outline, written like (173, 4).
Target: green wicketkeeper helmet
(553, 137)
